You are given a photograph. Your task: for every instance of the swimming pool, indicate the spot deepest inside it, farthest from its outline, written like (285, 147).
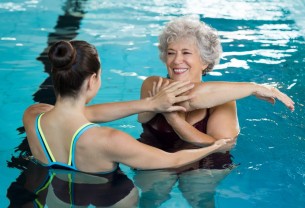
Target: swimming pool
(263, 41)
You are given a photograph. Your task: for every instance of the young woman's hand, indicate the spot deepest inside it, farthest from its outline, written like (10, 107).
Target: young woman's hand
(165, 95)
(224, 145)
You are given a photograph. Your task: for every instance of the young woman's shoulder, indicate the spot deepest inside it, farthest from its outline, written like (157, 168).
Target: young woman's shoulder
(108, 134)
(36, 109)
(108, 140)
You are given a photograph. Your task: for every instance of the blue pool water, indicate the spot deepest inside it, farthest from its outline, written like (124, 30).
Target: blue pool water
(263, 41)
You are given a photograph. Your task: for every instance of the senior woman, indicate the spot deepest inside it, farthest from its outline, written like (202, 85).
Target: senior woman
(190, 48)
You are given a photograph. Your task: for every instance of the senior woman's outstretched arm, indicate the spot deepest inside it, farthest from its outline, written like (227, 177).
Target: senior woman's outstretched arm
(211, 94)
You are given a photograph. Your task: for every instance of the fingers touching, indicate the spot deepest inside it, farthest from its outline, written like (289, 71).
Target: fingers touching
(168, 94)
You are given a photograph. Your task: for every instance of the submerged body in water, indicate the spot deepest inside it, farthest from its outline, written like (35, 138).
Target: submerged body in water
(39, 186)
(197, 181)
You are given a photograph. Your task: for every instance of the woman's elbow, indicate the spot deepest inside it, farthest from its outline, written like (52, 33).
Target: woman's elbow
(141, 119)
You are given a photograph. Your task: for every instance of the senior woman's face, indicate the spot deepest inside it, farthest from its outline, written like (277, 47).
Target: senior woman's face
(183, 61)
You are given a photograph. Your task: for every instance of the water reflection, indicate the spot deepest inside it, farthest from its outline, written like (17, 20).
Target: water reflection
(65, 29)
(198, 187)
(38, 186)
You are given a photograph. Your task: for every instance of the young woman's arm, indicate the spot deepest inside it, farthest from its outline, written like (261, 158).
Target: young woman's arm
(163, 101)
(124, 149)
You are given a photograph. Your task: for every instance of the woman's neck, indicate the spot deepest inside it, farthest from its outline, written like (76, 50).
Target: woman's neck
(69, 105)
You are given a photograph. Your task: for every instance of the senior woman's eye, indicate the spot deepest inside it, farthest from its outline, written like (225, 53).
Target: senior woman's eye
(170, 53)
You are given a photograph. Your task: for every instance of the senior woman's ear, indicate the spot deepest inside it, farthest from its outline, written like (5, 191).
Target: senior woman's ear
(204, 69)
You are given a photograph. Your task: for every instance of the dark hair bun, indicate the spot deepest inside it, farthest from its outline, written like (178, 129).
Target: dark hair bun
(62, 55)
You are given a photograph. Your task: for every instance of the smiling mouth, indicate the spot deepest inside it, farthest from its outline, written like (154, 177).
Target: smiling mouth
(179, 70)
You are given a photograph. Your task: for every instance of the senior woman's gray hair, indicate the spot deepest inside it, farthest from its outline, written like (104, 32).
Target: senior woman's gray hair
(204, 36)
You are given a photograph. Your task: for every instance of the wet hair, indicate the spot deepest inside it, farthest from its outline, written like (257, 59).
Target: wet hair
(205, 38)
(72, 62)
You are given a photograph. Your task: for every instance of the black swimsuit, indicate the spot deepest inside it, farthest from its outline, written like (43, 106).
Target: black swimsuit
(158, 133)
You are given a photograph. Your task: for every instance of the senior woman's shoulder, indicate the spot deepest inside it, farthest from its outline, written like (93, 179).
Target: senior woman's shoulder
(150, 80)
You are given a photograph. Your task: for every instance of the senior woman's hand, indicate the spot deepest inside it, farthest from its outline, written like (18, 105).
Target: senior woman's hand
(270, 93)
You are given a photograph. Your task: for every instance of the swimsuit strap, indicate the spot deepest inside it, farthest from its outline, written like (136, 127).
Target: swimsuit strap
(48, 180)
(71, 161)
(41, 188)
(71, 189)
(51, 159)
(75, 138)
(43, 141)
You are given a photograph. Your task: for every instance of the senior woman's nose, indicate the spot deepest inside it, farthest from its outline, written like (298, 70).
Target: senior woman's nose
(178, 58)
